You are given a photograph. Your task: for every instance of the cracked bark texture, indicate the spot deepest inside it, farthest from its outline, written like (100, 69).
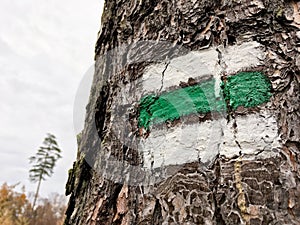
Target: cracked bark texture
(244, 189)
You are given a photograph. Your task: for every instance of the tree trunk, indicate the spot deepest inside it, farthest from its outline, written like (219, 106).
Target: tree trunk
(193, 116)
(36, 195)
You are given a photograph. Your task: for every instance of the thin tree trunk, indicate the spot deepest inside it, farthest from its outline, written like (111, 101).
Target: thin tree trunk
(35, 199)
(193, 116)
(37, 193)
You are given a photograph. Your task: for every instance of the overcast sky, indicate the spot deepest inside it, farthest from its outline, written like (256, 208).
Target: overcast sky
(46, 47)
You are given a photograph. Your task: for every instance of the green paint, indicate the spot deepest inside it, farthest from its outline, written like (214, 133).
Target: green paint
(172, 105)
(246, 89)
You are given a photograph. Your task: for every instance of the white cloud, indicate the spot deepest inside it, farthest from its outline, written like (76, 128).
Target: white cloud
(46, 48)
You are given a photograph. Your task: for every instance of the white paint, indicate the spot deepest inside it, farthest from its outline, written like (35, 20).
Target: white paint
(189, 143)
(242, 56)
(255, 133)
(194, 64)
(197, 64)
(181, 144)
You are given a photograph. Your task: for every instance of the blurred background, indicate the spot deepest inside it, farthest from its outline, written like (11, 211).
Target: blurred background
(46, 49)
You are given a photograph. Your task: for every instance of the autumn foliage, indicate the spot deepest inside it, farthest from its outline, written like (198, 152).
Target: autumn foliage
(16, 209)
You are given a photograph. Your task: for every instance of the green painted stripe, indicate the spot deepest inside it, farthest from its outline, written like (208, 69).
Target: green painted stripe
(246, 89)
(172, 105)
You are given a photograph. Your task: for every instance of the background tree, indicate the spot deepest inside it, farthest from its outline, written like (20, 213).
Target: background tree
(248, 180)
(43, 162)
(51, 210)
(14, 206)
(16, 209)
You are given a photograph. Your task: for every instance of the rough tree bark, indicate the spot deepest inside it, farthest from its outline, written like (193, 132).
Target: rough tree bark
(243, 167)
